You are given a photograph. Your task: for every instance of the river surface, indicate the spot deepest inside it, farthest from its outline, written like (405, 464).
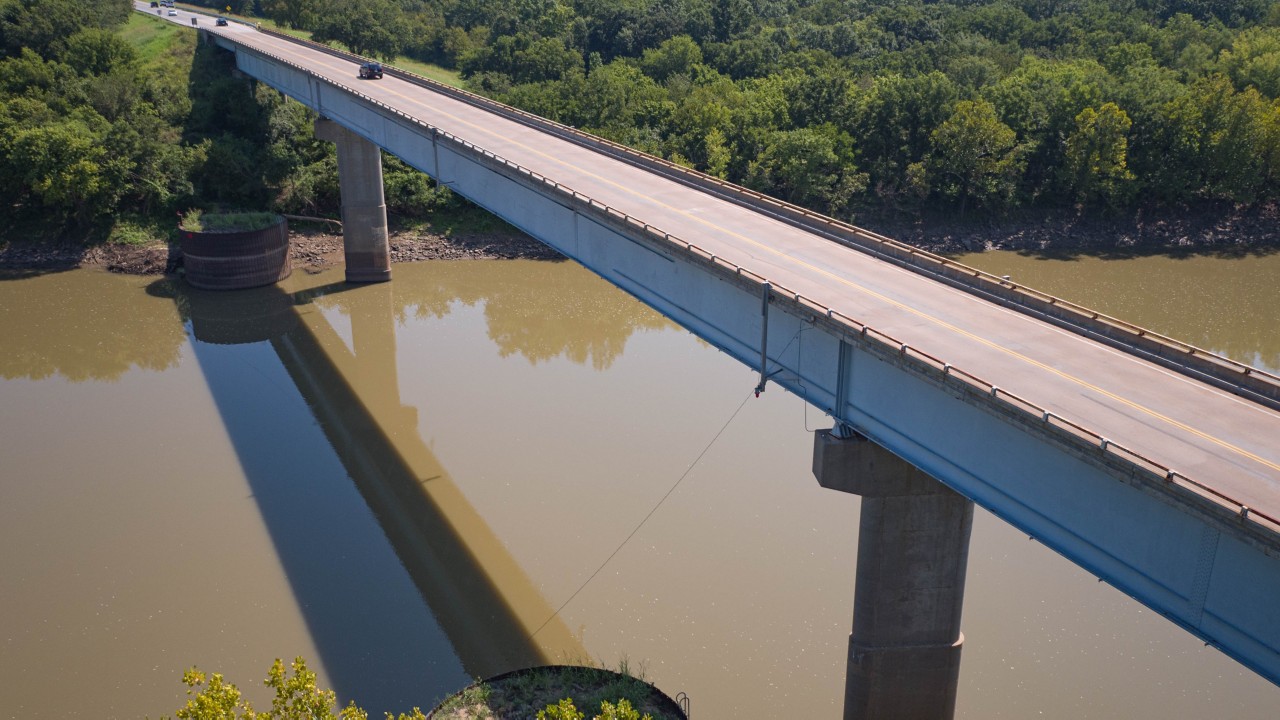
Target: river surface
(486, 465)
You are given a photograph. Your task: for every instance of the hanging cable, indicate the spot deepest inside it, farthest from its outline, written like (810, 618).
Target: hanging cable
(645, 520)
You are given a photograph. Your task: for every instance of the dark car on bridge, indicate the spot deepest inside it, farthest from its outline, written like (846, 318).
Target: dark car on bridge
(220, 22)
(371, 71)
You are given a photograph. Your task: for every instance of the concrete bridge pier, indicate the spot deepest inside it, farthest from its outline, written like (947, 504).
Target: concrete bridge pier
(364, 211)
(913, 546)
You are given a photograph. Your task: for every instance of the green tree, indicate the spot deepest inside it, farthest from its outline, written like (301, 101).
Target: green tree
(1187, 44)
(372, 28)
(619, 96)
(747, 56)
(1040, 101)
(563, 710)
(894, 121)
(45, 25)
(1218, 143)
(976, 157)
(64, 165)
(812, 167)
(730, 18)
(523, 57)
(1097, 155)
(160, 166)
(823, 94)
(290, 13)
(95, 51)
(54, 84)
(677, 56)
(717, 153)
(621, 711)
(1254, 59)
(297, 697)
(702, 112)
(231, 172)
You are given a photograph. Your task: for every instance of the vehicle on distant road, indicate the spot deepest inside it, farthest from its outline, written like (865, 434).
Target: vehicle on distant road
(371, 71)
(220, 22)
(172, 12)
(154, 3)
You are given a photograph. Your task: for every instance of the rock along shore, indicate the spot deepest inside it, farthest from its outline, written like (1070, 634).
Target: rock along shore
(309, 250)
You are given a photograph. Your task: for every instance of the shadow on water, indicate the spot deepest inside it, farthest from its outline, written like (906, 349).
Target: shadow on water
(304, 414)
(25, 273)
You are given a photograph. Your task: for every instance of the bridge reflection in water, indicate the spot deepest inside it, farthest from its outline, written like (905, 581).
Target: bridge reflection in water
(377, 644)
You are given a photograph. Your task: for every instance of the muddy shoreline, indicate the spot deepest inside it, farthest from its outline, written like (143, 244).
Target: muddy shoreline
(309, 250)
(1063, 233)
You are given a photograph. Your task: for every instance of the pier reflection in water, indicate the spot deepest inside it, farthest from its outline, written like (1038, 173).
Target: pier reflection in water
(485, 609)
(559, 412)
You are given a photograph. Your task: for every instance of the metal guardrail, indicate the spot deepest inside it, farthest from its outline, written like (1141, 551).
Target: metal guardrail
(979, 391)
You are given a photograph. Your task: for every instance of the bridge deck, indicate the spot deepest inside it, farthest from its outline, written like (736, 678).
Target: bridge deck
(1219, 439)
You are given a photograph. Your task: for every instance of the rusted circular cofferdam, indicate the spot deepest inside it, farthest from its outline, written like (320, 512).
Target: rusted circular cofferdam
(236, 260)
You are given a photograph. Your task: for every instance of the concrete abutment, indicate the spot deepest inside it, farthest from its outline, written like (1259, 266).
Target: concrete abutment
(913, 548)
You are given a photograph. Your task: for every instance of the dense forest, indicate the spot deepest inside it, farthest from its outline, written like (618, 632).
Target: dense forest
(839, 105)
(110, 123)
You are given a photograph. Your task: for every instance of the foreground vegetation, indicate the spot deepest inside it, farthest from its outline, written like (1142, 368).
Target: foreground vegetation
(299, 697)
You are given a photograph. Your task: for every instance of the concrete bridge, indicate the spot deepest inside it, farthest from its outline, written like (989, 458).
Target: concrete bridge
(1152, 464)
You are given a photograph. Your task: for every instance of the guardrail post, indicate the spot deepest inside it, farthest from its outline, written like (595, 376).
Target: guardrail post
(913, 548)
(364, 211)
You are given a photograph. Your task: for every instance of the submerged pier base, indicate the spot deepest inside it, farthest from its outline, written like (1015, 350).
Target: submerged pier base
(913, 547)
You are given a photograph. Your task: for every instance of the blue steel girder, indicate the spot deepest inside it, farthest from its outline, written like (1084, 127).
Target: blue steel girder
(1169, 544)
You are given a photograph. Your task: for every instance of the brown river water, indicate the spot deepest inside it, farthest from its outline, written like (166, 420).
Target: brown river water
(484, 465)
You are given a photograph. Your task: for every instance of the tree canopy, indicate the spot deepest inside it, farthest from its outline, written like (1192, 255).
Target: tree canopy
(839, 106)
(92, 130)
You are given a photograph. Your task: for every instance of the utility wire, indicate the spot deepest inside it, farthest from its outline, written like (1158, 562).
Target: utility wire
(646, 518)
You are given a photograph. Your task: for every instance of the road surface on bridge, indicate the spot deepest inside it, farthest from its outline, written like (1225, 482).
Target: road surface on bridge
(1218, 439)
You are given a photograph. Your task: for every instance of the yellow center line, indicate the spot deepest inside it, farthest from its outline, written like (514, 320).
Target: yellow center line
(843, 280)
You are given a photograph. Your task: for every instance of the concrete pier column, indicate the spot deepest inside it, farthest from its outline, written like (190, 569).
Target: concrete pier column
(913, 546)
(364, 211)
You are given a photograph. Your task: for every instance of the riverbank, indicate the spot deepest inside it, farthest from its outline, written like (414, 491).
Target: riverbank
(310, 249)
(1214, 230)
(1221, 232)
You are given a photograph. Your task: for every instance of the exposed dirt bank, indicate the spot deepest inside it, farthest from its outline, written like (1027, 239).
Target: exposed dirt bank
(1224, 231)
(309, 250)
